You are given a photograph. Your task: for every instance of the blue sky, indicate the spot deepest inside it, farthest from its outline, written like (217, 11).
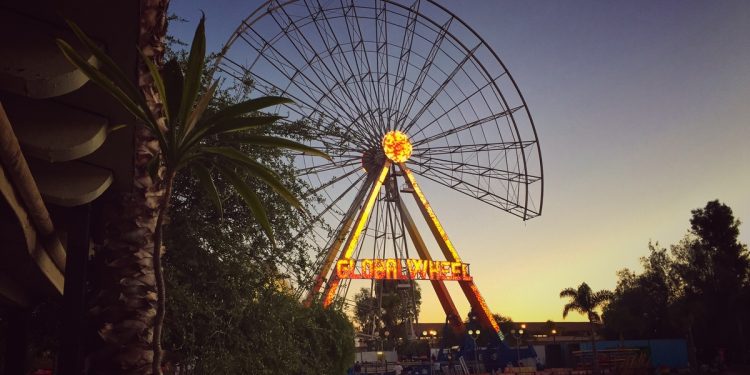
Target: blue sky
(643, 113)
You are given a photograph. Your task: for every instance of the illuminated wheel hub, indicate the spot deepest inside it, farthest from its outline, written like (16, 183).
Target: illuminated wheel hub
(396, 146)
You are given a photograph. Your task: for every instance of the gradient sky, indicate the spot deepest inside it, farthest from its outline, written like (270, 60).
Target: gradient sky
(643, 113)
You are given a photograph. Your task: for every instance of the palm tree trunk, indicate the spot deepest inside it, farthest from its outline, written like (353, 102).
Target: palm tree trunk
(595, 369)
(125, 298)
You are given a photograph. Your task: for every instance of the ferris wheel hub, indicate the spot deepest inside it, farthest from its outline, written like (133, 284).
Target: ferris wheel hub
(396, 146)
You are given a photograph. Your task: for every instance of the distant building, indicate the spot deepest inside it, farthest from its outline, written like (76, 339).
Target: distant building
(534, 332)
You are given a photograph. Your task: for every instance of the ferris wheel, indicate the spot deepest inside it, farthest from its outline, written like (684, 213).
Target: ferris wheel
(396, 92)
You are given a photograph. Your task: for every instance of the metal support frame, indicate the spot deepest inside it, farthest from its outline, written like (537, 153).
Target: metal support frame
(333, 250)
(351, 242)
(468, 287)
(440, 290)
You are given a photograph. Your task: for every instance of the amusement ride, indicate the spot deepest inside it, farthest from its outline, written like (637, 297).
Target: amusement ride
(398, 93)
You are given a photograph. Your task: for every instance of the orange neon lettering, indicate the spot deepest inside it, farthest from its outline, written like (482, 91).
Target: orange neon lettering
(379, 269)
(465, 272)
(342, 269)
(435, 270)
(366, 272)
(456, 271)
(417, 268)
(392, 269)
(445, 270)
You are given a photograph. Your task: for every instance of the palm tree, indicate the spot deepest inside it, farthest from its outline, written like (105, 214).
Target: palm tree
(583, 300)
(176, 117)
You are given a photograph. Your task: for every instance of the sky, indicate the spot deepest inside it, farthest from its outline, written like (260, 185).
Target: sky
(642, 109)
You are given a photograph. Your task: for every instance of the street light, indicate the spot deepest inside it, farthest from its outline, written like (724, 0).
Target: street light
(474, 334)
(554, 335)
(429, 336)
(386, 334)
(517, 335)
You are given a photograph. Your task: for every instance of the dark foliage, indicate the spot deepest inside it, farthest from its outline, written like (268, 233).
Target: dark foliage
(698, 291)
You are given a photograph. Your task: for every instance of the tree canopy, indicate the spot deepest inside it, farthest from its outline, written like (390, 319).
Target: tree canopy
(699, 289)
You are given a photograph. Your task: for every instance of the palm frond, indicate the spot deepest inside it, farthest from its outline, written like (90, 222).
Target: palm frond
(207, 183)
(108, 66)
(158, 83)
(174, 83)
(568, 292)
(269, 141)
(104, 81)
(601, 296)
(248, 106)
(226, 126)
(256, 169)
(200, 108)
(572, 306)
(196, 61)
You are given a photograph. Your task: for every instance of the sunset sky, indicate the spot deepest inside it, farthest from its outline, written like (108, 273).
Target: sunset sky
(643, 113)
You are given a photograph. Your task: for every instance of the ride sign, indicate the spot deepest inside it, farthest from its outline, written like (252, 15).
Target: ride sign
(402, 269)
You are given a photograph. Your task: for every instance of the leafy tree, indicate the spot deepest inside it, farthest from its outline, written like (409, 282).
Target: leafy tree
(713, 268)
(585, 301)
(506, 324)
(182, 132)
(699, 290)
(641, 305)
(390, 308)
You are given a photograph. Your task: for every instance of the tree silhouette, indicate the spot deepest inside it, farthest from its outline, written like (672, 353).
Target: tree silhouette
(585, 301)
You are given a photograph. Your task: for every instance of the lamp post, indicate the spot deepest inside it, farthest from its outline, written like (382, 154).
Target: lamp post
(429, 336)
(554, 335)
(517, 335)
(385, 357)
(474, 334)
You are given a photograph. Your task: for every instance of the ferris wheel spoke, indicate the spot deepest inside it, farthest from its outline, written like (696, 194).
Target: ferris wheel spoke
(428, 62)
(353, 160)
(299, 37)
(366, 61)
(476, 170)
(331, 204)
(466, 100)
(356, 100)
(303, 102)
(405, 55)
(442, 87)
(278, 59)
(312, 107)
(326, 34)
(358, 46)
(470, 148)
(333, 181)
(382, 59)
(467, 126)
(505, 203)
